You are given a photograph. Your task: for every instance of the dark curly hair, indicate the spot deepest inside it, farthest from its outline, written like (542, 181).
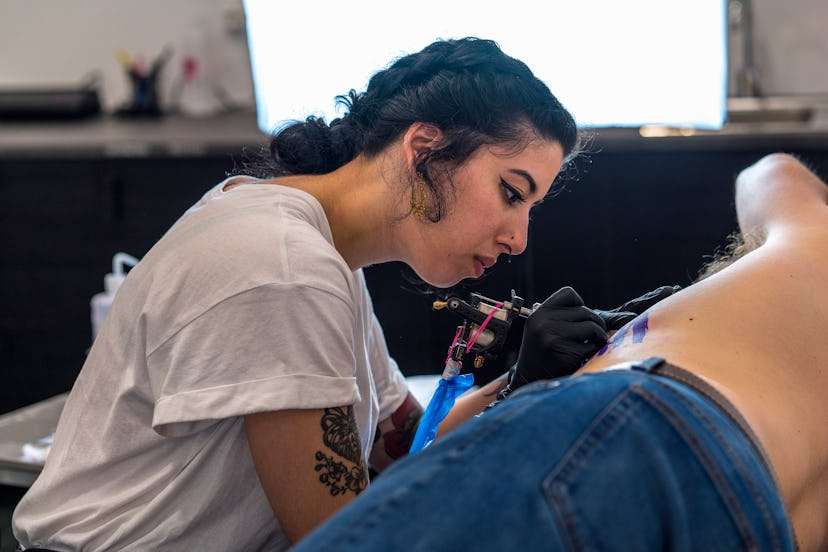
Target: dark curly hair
(468, 88)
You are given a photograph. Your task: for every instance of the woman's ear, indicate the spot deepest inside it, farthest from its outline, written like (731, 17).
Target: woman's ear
(419, 139)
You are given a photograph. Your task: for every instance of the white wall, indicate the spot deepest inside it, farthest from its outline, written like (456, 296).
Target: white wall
(791, 46)
(59, 42)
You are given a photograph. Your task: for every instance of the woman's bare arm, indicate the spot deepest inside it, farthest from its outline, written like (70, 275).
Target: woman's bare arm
(310, 463)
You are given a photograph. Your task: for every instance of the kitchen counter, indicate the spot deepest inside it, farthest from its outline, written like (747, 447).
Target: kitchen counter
(765, 123)
(108, 136)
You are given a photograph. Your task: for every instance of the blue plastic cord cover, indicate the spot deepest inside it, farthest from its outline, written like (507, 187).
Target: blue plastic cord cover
(441, 402)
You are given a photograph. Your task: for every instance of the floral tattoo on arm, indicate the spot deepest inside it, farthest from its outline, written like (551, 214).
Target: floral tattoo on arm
(344, 471)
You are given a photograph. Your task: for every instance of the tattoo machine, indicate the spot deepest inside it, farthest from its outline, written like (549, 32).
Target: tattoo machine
(486, 324)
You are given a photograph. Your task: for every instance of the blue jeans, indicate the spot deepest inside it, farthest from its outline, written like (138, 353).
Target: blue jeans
(618, 460)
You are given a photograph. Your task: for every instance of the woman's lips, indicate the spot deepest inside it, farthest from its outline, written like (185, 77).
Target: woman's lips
(481, 264)
(479, 268)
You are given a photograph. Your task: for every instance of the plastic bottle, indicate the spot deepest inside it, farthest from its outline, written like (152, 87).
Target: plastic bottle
(101, 302)
(196, 91)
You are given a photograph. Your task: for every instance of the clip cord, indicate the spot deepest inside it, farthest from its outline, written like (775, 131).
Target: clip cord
(454, 343)
(476, 334)
(449, 387)
(483, 325)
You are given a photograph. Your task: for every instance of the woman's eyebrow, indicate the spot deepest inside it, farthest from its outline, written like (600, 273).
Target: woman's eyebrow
(532, 186)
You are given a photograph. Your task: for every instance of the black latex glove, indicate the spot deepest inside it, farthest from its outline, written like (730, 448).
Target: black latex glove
(557, 338)
(614, 319)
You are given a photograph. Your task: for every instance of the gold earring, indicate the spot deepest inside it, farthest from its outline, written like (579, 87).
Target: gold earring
(418, 198)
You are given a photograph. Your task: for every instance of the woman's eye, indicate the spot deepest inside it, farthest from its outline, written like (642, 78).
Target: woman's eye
(512, 195)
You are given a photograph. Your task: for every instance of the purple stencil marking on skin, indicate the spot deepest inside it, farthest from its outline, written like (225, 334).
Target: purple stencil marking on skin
(640, 326)
(614, 341)
(619, 336)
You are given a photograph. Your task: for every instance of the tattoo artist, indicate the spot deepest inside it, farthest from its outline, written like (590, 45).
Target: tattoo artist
(241, 385)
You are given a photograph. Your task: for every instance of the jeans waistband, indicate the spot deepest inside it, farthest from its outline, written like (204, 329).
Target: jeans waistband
(660, 367)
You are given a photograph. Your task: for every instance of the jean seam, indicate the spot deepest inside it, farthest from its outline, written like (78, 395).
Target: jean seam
(608, 420)
(503, 419)
(353, 534)
(605, 422)
(725, 489)
(744, 470)
(753, 440)
(499, 422)
(710, 393)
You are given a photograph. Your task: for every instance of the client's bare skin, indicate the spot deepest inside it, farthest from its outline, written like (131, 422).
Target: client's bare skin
(756, 331)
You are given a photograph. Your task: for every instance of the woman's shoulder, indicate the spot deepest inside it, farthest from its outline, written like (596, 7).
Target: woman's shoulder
(250, 236)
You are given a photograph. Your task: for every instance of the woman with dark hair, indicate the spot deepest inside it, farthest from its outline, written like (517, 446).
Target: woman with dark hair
(241, 372)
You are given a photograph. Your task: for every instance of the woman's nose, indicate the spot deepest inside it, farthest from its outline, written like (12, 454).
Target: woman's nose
(518, 238)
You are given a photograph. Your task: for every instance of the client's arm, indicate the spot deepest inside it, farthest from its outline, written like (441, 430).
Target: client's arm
(779, 193)
(396, 433)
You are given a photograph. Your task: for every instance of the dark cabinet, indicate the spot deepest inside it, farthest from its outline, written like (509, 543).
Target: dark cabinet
(633, 215)
(60, 223)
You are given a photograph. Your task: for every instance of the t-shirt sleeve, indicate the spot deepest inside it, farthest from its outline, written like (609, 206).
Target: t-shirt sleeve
(270, 348)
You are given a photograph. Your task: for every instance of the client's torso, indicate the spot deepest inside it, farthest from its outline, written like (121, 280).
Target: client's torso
(756, 332)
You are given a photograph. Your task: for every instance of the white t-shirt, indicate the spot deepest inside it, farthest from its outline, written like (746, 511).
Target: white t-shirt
(243, 306)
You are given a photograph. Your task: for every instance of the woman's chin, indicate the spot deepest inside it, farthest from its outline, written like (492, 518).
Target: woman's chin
(442, 280)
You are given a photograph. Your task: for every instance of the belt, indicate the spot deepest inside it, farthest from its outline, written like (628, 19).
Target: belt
(659, 366)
